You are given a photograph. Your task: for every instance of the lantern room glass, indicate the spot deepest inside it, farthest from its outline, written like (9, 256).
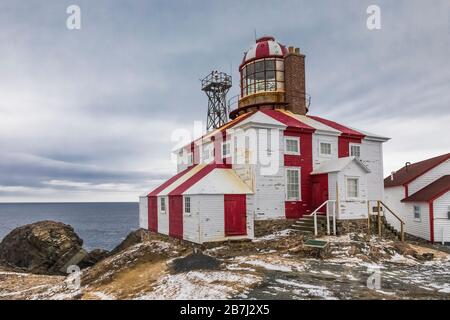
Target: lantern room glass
(262, 75)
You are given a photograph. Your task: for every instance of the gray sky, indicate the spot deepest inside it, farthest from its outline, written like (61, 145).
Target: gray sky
(87, 115)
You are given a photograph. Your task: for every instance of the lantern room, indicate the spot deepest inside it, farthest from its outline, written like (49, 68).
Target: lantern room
(271, 77)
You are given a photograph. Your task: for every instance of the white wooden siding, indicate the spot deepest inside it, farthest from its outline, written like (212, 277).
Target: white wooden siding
(441, 222)
(318, 158)
(392, 198)
(191, 222)
(420, 228)
(429, 177)
(212, 218)
(372, 157)
(352, 208)
(143, 212)
(270, 188)
(163, 218)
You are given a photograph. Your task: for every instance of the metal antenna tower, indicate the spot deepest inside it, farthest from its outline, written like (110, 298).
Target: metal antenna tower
(216, 86)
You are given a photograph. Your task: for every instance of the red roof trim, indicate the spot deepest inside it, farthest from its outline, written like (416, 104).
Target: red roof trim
(288, 120)
(431, 192)
(169, 182)
(345, 131)
(403, 177)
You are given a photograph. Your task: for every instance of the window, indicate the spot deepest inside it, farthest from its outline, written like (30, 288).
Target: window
(187, 205)
(293, 184)
(325, 148)
(226, 151)
(190, 158)
(163, 205)
(448, 212)
(206, 154)
(291, 145)
(417, 214)
(262, 75)
(352, 188)
(355, 150)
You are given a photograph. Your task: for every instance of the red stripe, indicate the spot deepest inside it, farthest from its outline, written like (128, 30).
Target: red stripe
(169, 182)
(153, 213)
(287, 120)
(431, 209)
(262, 50)
(193, 180)
(345, 131)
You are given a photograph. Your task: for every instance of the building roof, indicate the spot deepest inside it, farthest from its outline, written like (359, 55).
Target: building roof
(219, 181)
(203, 179)
(336, 165)
(264, 47)
(289, 119)
(431, 191)
(408, 173)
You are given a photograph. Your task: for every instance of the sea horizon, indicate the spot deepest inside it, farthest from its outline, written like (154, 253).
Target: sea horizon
(101, 225)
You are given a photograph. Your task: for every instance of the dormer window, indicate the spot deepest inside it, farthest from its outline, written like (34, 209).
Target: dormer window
(292, 145)
(325, 148)
(355, 150)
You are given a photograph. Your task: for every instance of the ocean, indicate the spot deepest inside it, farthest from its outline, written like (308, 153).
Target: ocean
(100, 225)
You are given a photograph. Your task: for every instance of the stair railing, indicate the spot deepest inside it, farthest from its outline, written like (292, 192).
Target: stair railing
(327, 204)
(382, 204)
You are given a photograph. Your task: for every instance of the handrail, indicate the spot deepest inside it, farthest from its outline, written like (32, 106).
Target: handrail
(314, 213)
(379, 204)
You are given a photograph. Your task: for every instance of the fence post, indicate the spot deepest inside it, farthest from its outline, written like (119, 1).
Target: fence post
(368, 217)
(328, 218)
(402, 235)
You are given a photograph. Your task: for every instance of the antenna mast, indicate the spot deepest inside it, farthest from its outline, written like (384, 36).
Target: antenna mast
(216, 86)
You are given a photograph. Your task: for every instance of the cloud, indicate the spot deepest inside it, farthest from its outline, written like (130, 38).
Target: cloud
(88, 115)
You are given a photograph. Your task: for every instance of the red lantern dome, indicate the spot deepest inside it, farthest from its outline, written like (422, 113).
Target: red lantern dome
(264, 47)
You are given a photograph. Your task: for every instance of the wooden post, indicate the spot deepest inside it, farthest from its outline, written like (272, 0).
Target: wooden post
(379, 218)
(368, 217)
(402, 235)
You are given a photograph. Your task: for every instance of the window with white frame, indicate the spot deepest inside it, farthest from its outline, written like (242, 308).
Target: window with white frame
(352, 188)
(292, 145)
(226, 149)
(325, 148)
(355, 150)
(163, 204)
(292, 184)
(417, 213)
(190, 158)
(187, 205)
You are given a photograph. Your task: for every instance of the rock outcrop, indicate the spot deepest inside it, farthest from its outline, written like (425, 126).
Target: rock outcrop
(44, 247)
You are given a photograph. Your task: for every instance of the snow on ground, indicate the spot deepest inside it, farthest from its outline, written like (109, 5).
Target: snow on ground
(203, 285)
(276, 235)
(308, 290)
(269, 262)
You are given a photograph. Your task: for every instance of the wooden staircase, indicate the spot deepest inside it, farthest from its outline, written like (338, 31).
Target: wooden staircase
(306, 224)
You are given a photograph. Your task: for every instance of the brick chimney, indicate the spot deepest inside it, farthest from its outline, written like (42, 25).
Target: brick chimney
(294, 77)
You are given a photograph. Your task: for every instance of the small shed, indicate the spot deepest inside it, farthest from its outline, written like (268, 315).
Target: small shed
(203, 204)
(345, 180)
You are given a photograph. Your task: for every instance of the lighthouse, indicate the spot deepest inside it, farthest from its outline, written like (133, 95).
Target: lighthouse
(316, 166)
(272, 77)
